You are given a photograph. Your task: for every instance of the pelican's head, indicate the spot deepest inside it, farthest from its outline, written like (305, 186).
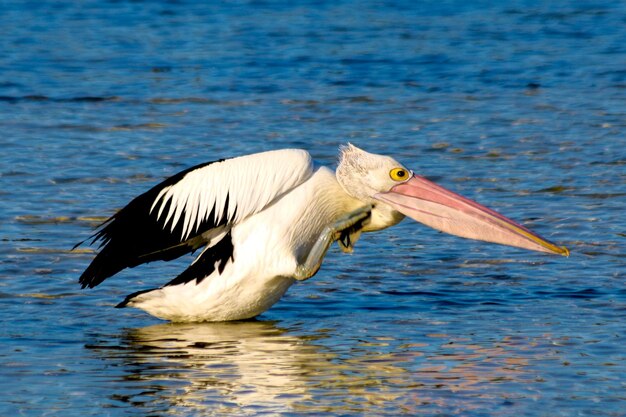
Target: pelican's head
(394, 192)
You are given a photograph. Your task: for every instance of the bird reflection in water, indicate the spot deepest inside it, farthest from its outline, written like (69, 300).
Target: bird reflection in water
(255, 366)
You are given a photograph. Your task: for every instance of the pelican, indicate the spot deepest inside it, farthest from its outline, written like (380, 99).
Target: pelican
(266, 220)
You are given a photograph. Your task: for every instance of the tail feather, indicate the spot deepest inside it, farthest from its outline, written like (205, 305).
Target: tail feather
(129, 298)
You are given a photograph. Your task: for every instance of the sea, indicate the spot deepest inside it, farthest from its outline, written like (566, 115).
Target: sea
(520, 105)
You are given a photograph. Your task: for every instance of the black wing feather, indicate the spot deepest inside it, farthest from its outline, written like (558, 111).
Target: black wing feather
(134, 236)
(215, 258)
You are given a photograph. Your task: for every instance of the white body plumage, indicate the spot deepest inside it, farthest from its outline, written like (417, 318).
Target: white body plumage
(268, 247)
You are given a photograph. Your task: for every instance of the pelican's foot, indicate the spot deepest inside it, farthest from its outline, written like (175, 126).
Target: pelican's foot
(346, 230)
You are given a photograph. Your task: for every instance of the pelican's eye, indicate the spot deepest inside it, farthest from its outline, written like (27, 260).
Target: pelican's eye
(399, 174)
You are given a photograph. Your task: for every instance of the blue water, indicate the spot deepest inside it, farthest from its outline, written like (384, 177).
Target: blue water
(520, 105)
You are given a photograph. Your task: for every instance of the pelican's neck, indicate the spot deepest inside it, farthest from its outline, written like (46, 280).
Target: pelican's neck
(331, 196)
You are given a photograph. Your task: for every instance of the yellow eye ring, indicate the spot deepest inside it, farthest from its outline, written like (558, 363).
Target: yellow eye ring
(399, 174)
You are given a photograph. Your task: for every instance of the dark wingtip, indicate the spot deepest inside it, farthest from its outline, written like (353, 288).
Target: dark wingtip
(85, 283)
(90, 278)
(104, 265)
(84, 280)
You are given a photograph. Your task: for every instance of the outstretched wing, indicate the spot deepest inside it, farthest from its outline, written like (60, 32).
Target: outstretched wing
(188, 210)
